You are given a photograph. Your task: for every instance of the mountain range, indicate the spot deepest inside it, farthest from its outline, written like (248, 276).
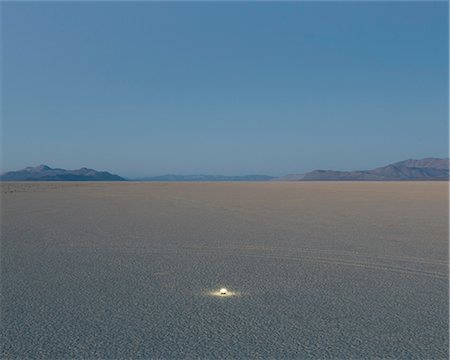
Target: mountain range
(423, 169)
(46, 173)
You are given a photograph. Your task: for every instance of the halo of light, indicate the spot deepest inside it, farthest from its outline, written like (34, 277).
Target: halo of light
(223, 292)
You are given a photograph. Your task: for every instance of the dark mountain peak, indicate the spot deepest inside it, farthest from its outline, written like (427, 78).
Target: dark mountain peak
(38, 168)
(86, 171)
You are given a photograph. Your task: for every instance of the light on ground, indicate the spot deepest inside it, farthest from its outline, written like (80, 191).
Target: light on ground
(223, 291)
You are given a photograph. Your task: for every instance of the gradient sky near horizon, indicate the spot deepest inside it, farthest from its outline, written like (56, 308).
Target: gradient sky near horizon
(148, 88)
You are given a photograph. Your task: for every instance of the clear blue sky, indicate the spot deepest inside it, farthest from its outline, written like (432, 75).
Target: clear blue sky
(223, 88)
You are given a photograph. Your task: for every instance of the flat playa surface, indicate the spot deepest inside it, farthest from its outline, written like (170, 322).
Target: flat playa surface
(319, 270)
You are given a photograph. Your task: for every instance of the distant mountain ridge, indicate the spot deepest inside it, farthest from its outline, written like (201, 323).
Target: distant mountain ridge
(411, 169)
(290, 177)
(46, 173)
(172, 177)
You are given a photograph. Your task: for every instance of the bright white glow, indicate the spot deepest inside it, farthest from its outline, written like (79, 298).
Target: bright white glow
(223, 291)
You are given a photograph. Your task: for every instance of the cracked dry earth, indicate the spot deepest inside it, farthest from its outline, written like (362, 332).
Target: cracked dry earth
(315, 269)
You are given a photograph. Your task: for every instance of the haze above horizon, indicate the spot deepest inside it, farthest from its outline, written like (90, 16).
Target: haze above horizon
(149, 88)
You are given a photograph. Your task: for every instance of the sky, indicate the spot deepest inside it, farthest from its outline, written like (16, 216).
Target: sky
(149, 88)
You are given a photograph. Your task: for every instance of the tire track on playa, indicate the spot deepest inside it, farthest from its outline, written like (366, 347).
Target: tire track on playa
(39, 212)
(366, 265)
(250, 217)
(409, 259)
(356, 264)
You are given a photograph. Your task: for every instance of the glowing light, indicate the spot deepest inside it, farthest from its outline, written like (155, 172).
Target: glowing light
(223, 291)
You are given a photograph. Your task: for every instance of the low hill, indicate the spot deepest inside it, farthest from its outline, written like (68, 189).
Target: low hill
(171, 177)
(290, 177)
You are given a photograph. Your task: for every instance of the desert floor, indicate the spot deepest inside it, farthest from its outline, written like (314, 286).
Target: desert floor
(318, 270)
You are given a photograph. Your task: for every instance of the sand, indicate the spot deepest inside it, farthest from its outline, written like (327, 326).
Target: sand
(314, 269)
